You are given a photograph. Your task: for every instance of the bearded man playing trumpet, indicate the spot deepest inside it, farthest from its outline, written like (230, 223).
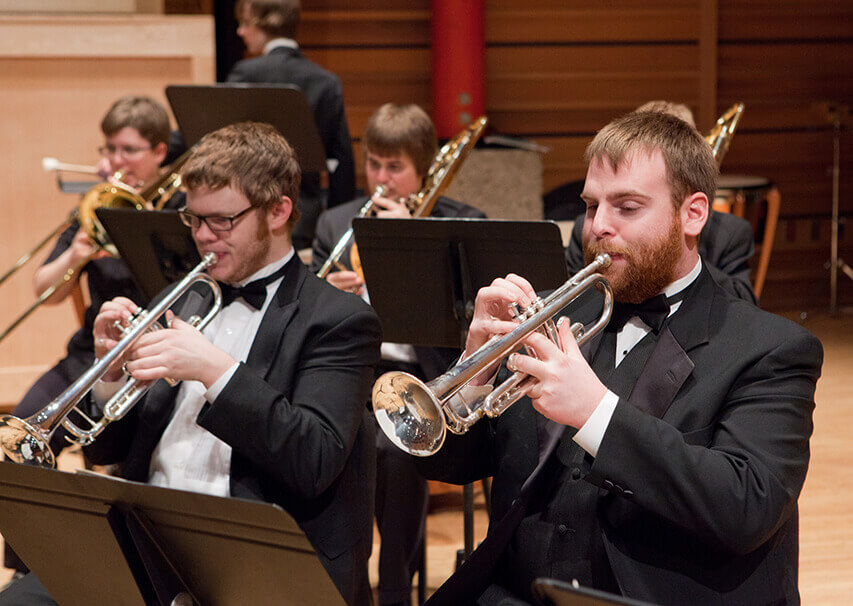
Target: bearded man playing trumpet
(662, 462)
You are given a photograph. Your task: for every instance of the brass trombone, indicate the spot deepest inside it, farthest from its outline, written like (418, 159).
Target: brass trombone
(103, 195)
(28, 440)
(416, 415)
(721, 134)
(439, 176)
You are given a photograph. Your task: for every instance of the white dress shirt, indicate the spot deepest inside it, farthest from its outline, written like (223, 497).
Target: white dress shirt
(189, 457)
(589, 436)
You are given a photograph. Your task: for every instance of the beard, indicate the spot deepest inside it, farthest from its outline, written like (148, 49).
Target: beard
(649, 266)
(254, 255)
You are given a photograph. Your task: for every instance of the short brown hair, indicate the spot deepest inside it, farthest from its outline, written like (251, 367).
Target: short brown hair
(679, 110)
(251, 157)
(394, 128)
(690, 164)
(144, 114)
(276, 18)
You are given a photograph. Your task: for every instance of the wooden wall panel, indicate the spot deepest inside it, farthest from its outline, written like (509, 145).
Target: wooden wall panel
(58, 76)
(558, 71)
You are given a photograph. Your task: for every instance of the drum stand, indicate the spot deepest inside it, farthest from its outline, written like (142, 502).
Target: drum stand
(837, 114)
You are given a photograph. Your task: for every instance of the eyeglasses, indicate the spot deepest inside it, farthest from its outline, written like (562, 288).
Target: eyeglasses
(123, 151)
(219, 223)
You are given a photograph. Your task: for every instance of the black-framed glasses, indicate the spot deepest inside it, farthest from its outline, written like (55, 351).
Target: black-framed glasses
(214, 222)
(125, 151)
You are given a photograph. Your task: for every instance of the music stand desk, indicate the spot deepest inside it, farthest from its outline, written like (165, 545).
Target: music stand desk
(80, 534)
(203, 108)
(423, 274)
(156, 246)
(552, 592)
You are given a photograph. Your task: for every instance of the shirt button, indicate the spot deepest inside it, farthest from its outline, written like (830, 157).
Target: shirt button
(229, 331)
(576, 473)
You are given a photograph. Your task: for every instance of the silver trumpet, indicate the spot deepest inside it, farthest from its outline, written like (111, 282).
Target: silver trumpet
(346, 239)
(416, 415)
(28, 440)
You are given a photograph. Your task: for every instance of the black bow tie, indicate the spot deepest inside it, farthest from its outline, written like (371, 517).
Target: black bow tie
(254, 293)
(653, 312)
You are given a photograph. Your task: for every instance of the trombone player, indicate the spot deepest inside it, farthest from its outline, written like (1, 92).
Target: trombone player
(135, 131)
(399, 145)
(664, 462)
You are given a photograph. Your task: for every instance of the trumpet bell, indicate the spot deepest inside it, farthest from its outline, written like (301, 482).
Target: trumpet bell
(23, 443)
(409, 413)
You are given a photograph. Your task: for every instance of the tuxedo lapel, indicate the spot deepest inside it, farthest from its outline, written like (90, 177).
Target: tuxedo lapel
(663, 375)
(669, 364)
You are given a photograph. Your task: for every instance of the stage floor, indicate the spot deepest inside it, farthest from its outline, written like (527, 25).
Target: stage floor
(826, 516)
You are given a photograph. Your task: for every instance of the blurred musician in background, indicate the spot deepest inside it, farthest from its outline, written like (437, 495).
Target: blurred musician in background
(664, 461)
(268, 29)
(726, 242)
(135, 132)
(271, 403)
(399, 146)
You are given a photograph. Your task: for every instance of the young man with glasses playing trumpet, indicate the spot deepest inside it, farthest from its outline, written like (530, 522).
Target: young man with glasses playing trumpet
(271, 403)
(662, 462)
(135, 132)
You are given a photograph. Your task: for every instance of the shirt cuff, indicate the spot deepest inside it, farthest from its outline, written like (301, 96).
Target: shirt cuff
(211, 394)
(590, 435)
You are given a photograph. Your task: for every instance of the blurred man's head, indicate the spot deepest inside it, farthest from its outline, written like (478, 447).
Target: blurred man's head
(260, 21)
(399, 145)
(136, 131)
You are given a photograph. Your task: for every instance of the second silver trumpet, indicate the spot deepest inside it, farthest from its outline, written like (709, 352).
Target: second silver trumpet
(416, 415)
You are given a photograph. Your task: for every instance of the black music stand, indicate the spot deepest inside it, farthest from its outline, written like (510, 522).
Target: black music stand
(156, 246)
(200, 109)
(839, 115)
(98, 540)
(551, 592)
(422, 276)
(412, 265)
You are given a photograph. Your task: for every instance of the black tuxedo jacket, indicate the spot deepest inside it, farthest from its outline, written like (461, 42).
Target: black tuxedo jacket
(694, 489)
(726, 244)
(335, 222)
(294, 416)
(325, 95)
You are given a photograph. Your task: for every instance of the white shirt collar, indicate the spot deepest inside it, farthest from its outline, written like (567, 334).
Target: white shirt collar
(676, 287)
(268, 270)
(280, 43)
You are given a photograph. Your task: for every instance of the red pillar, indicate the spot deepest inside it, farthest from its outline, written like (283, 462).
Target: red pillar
(458, 64)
